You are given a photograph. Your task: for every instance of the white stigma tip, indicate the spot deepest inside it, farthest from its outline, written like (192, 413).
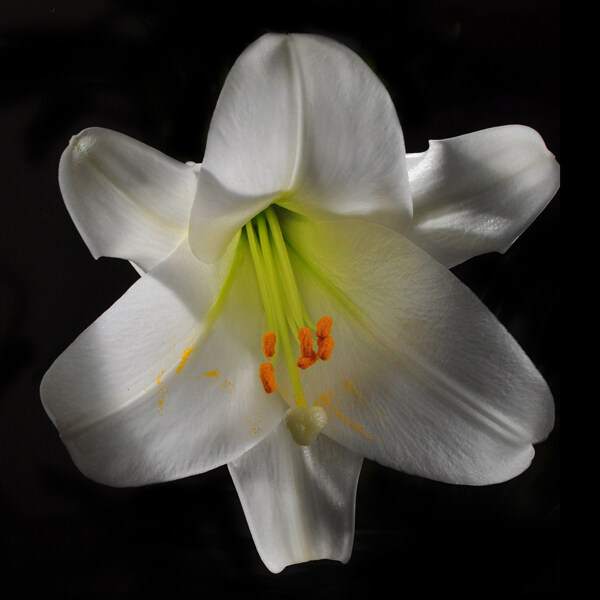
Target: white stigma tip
(305, 423)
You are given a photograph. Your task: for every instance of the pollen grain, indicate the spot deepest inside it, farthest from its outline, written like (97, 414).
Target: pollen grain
(324, 326)
(306, 361)
(325, 345)
(308, 356)
(267, 377)
(184, 358)
(268, 342)
(306, 343)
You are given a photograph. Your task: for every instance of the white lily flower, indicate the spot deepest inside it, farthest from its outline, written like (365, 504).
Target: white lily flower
(306, 218)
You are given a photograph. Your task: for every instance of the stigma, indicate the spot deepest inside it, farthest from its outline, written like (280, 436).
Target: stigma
(290, 328)
(305, 423)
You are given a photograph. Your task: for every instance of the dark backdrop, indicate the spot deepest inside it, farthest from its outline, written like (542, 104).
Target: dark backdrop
(154, 71)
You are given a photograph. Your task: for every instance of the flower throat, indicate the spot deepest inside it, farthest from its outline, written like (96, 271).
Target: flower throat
(287, 319)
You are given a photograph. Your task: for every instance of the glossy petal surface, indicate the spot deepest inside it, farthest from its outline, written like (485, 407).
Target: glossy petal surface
(423, 378)
(478, 192)
(127, 200)
(300, 114)
(298, 500)
(164, 384)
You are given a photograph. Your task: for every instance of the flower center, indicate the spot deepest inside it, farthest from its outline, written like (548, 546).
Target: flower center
(287, 320)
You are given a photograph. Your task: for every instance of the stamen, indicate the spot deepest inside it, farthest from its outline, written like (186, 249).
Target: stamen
(325, 342)
(324, 326)
(285, 313)
(296, 306)
(306, 343)
(261, 275)
(268, 342)
(308, 355)
(325, 345)
(306, 361)
(267, 377)
(279, 310)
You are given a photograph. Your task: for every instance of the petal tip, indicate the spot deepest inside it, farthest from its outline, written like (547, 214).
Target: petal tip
(82, 143)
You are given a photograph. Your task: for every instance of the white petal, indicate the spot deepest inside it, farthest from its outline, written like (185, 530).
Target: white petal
(351, 159)
(126, 199)
(218, 215)
(423, 377)
(478, 192)
(298, 500)
(165, 384)
(304, 116)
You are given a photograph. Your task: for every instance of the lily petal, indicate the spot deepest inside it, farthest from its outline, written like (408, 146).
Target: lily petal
(302, 116)
(126, 199)
(299, 501)
(423, 377)
(166, 381)
(478, 192)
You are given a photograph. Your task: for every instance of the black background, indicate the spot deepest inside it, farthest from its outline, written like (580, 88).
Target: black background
(154, 71)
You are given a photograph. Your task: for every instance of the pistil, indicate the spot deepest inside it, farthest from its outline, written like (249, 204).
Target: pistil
(285, 313)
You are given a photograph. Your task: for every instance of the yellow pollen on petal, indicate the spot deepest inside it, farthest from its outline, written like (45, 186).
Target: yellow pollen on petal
(354, 426)
(213, 373)
(266, 373)
(162, 391)
(268, 342)
(184, 357)
(353, 390)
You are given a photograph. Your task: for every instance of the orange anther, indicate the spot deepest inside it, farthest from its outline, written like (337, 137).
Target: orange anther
(306, 343)
(324, 327)
(268, 342)
(325, 345)
(306, 361)
(267, 377)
